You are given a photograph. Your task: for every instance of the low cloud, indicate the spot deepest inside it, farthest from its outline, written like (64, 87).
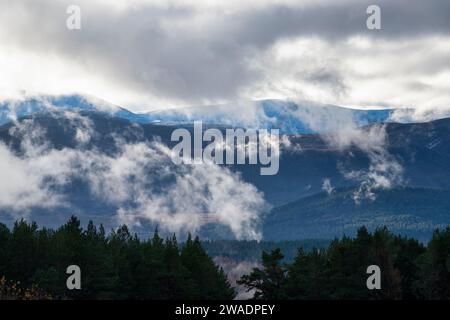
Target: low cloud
(327, 187)
(420, 115)
(342, 132)
(384, 170)
(139, 180)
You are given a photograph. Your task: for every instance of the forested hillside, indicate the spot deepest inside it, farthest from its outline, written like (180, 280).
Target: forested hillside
(408, 269)
(114, 266)
(119, 265)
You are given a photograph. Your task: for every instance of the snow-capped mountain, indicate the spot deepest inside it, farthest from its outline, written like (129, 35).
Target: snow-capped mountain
(288, 116)
(46, 155)
(15, 109)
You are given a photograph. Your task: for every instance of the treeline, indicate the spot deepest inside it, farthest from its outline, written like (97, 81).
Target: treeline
(119, 265)
(251, 250)
(409, 269)
(33, 264)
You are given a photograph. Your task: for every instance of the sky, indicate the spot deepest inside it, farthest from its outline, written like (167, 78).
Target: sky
(147, 55)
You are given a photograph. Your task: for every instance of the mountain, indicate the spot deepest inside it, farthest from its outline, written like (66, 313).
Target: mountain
(288, 116)
(16, 109)
(415, 212)
(302, 209)
(422, 150)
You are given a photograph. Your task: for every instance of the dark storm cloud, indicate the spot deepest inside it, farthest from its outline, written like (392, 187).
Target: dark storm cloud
(337, 20)
(185, 52)
(328, 78)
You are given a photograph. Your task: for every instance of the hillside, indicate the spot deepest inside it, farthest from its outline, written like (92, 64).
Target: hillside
(414, 212)
(421, 150)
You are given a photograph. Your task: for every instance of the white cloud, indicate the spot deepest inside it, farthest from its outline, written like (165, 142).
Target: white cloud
(157, 54)
(140, 180)
(327, 187)
(21, 186)
(384, 170)
(360, 72)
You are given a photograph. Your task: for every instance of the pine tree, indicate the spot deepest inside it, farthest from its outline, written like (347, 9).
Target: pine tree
(269, 282)
(207, 280)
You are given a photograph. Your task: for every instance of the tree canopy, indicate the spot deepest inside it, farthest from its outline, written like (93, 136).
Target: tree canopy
(409, 269)
(114, 266)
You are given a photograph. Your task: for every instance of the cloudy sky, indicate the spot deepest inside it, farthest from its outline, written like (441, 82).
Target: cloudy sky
(153, 54)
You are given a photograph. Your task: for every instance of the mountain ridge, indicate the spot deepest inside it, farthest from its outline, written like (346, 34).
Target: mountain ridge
(422, 149)
(413, 211)
(288, 116)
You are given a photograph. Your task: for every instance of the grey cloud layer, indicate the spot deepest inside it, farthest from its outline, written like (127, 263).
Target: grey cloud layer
(190, 53)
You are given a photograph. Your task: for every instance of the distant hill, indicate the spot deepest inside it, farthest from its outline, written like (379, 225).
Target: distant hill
(288, 116)
(423, 150)
(415, 206)
(239, 251)
(16, 109)
(414, 212)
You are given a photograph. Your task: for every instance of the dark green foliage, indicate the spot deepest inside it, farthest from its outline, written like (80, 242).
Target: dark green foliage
(251, 250)
(270, 281)
(409, 270)
(434, 280)
(209, 280)
(122, 266)
(115, 266)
